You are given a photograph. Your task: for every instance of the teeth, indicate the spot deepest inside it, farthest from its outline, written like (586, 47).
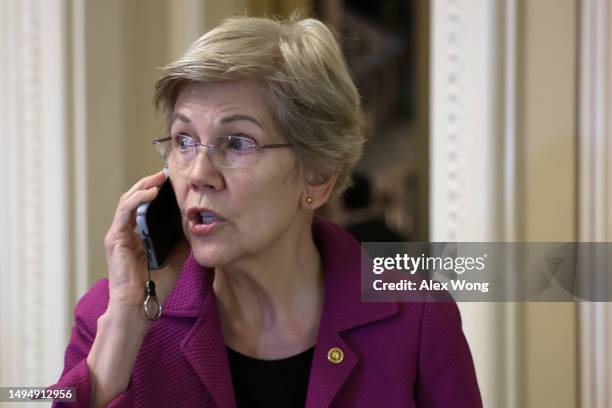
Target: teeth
(208, 218)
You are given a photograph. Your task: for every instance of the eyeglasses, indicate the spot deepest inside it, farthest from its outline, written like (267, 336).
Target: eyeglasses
(226, 151)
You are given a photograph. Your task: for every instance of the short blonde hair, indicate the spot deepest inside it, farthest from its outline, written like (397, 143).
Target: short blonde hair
(310, 92)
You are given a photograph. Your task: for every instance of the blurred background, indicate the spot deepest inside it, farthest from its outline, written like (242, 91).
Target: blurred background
(488, 120)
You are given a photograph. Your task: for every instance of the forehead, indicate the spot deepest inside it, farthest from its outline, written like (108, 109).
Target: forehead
(212, 100)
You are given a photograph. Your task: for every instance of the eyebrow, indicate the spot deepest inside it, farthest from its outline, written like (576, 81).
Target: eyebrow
(180, 116)
(239, 117)
(224, 121)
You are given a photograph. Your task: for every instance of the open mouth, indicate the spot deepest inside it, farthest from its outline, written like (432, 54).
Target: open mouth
(203, 221)
(207, 218)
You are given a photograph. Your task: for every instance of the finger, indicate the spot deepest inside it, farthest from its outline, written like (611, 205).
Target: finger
(145, 183)
(126, 210)
(134, 241)
(138, 249)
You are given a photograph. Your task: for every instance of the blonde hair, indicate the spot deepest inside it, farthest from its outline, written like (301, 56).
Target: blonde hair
(310, 93)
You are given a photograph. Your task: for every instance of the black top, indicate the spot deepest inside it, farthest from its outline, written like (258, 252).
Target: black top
(270, 383)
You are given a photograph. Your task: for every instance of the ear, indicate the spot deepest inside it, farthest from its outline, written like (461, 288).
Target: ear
(317, 191)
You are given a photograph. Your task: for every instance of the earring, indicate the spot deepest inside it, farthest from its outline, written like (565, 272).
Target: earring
(308, 200)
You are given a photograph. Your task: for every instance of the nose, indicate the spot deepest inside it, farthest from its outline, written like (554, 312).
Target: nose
(204, 175)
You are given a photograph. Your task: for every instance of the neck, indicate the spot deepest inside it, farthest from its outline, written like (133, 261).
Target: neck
(279, 291)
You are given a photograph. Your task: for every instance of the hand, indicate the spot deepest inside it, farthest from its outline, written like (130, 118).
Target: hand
(125, 255)
(123, 327)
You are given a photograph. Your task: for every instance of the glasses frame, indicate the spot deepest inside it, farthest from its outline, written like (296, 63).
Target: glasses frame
(213, 148)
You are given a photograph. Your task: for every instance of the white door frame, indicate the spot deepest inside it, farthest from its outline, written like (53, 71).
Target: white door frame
(595, 198)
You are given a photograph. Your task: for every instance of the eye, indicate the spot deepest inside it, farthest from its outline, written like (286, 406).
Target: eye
(184, 142)
(240, 144)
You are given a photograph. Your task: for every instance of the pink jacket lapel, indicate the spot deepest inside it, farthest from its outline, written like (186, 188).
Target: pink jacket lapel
(204, 348)
(343, 310)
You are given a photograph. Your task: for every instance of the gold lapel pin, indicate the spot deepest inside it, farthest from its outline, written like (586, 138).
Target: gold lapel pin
(335, 355)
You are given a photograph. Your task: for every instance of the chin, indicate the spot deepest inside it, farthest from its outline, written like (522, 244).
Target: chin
(209, 255)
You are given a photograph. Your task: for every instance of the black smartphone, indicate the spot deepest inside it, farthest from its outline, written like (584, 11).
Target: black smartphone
(159, 225)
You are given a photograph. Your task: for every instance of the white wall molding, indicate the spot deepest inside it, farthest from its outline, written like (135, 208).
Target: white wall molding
(595, 199)
(79, 170)
(473, 165)
(34, 271)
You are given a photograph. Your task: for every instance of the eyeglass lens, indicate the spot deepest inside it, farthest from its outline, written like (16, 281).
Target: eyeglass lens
(227, 151)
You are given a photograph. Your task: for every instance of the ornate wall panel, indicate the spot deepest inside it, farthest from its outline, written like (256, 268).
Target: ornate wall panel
(473, 157)
(34, 269)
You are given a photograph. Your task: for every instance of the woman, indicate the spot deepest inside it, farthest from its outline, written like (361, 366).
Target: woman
(261, 302)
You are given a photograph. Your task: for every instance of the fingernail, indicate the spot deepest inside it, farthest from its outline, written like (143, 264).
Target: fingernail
(165, 170)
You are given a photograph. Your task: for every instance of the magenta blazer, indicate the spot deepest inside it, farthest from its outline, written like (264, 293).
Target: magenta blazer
(394, 354)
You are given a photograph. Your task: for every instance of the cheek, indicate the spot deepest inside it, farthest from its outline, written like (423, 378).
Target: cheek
(263, 204)
(180, 190)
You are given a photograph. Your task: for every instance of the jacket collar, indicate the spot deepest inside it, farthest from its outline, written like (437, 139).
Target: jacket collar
(341, 256)
(190, 292)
